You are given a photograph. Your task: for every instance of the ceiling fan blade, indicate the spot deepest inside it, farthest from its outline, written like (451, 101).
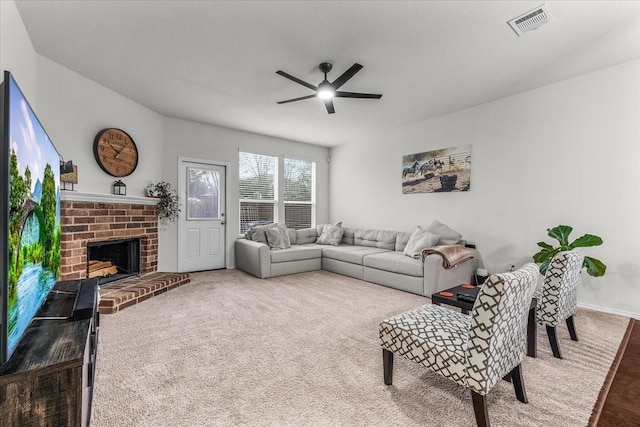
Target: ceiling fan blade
(297, 80)
(329, 104)
(346, 76)
(340, 94)
(297, 99)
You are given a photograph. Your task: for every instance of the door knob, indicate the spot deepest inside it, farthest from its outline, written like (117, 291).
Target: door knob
(221, 222)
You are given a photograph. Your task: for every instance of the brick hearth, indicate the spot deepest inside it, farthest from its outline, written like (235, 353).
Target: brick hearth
(124, 293)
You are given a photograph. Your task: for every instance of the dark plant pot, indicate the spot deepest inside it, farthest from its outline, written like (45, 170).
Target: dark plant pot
(479, 280)
(448, 182)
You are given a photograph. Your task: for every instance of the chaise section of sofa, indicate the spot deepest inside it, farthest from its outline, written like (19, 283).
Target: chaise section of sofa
(375, 256)
(257, 259)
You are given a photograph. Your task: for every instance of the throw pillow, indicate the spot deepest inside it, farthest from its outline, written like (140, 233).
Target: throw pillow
(448, 236)
(419, 241)
(293, 235)
(331, 235)
(277, 237)
(324, 227)
(259, 233)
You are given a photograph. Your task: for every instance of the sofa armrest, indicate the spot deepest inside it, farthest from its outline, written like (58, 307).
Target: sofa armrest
(253, 257)
(437, 278)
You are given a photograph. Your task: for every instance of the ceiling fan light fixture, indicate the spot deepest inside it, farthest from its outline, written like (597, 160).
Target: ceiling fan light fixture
(325, 91)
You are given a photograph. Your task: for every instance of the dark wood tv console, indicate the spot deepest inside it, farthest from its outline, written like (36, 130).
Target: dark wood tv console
(49, 379)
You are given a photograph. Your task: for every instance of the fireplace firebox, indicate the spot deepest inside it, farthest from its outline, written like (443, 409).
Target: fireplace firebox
(113, 259)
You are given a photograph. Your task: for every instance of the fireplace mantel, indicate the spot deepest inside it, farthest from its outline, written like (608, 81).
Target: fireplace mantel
(75, 196)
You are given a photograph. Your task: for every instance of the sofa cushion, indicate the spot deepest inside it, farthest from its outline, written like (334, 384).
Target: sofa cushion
(419, 241)
(278, 238)
(375, 238)
(351, 254)
(292, 236)
(449, 236)
(331, 236)
(348, 236)
(296, 253)
(402, 239)
(306, 235)
(395, 262)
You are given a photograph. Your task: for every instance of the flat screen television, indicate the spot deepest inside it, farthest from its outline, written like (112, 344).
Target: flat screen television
(29, 215)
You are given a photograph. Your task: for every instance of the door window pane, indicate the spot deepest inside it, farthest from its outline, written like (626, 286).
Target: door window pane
(203, 194)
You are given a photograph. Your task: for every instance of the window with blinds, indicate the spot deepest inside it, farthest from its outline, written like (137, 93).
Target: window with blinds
(267, 194)
(299, 188)
(258, 189)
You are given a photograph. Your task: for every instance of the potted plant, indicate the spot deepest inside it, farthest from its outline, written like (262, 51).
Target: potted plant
(168, 207)
(561, 233)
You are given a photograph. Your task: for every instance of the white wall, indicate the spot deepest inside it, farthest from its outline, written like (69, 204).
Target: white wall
(566, 153)
(73, 109)
(16, 51)
(195, 140)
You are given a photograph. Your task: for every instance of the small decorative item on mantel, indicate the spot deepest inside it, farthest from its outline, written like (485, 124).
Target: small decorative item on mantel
(168, 206)
(152, 191)
(68, 175)
(119, 188)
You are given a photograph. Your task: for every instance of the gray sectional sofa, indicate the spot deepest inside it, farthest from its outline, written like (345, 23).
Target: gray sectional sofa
(375, 256)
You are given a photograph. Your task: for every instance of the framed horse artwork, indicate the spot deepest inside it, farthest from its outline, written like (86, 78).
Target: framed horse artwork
(444, 170)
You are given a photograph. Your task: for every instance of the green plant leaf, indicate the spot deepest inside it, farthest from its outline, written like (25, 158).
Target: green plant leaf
(545, 265)
(545, 254)
(545, 245)
(586, 241)
(595, 267)
(561, 234)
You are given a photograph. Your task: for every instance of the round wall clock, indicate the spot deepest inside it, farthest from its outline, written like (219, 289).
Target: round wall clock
(115, 152)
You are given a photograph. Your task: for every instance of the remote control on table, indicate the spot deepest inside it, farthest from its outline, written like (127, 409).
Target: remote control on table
(466, 297)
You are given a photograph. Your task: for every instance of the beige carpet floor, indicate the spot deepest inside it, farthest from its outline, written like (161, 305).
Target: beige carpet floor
(229, 349)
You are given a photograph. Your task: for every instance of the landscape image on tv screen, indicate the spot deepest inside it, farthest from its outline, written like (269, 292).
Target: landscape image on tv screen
(34, 216)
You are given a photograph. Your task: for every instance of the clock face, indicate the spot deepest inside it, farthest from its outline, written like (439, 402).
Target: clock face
(115, 152)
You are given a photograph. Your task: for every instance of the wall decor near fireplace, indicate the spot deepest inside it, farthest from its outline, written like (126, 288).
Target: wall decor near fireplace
(436, 171)
(115, 152)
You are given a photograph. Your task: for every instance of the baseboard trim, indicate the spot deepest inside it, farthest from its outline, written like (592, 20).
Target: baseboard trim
(610, 310)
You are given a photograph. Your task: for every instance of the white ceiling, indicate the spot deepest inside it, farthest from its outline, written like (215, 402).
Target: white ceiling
(215, 62)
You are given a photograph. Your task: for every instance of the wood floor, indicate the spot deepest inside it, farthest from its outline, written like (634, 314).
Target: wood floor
(620, 407)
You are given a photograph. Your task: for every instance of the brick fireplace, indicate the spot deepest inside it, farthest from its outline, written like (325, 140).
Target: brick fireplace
(94, 218)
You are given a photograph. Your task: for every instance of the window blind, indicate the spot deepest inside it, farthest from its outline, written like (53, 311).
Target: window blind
(257, 185)
(299, 189)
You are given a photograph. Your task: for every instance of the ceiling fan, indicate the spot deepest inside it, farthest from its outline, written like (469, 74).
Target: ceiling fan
(328, 90)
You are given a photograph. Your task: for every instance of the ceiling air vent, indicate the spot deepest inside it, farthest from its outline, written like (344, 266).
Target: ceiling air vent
(531, 20)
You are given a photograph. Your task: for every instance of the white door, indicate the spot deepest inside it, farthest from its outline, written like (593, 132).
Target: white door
(201, 227)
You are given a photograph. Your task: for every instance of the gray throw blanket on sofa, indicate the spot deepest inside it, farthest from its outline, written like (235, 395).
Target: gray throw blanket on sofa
(452, 255)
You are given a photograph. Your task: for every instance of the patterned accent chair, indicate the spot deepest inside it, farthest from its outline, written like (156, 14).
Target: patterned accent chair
(557, 297)
(474, 351)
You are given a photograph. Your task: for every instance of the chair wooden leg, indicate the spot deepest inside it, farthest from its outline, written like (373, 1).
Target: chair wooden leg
(480, 409)
(572, 328)
(532, 327)
(518, 384)
(553, 340)
(387, 363)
